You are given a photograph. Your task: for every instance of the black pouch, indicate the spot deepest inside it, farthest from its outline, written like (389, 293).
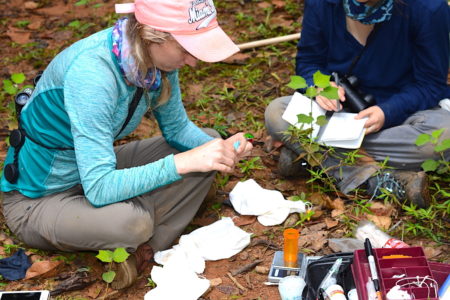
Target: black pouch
(316, 271)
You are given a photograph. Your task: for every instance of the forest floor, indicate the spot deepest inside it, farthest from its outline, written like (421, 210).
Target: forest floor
(230, 96)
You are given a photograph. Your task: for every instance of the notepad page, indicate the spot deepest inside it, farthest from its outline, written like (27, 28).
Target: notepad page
(301, 104)
(342, 127)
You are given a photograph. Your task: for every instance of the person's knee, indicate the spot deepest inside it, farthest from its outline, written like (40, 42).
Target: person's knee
(274, 122)
(134, 229)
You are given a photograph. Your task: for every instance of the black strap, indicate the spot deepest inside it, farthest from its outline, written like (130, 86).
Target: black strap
(132, 108)
(358, 57)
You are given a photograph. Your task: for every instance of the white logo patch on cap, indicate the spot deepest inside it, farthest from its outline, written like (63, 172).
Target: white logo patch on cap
(202, 10)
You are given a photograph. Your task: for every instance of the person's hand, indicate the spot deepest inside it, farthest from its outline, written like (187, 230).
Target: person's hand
(332, 104)
(244, 148)
(215, 155)
(375, 119)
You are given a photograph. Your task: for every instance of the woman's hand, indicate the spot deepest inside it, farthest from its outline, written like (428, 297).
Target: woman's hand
(332, 104)
(240, 144)
(216, 155)
(375, 117)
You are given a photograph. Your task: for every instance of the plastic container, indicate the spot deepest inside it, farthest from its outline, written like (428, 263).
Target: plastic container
(291, 287)
(391, 270)
(378, 238)
(290, 249)
(335, 292)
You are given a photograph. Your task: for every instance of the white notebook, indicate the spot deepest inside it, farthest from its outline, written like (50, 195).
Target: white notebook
(342, 130)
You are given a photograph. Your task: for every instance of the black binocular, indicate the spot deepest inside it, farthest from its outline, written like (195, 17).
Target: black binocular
(22, 98)
(355, 99)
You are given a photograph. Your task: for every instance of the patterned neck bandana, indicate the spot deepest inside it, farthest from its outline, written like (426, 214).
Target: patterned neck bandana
(121, 49)
(380, 12)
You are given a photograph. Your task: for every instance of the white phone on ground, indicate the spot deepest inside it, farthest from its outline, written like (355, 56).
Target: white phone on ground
(25, 295)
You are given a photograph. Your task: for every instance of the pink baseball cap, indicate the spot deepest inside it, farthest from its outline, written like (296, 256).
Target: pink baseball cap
(192, 23)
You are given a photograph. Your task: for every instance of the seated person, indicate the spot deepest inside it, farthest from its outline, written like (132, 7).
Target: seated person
(399, 51)
(74, 190)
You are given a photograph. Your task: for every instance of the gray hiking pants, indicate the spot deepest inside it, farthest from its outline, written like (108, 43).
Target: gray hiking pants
(67, 221)
(397, 143)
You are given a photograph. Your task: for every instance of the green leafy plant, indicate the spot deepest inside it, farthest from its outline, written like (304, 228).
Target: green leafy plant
(119, 255)
(150, 283)
(248, 165)
(440, 166)
(11, 86)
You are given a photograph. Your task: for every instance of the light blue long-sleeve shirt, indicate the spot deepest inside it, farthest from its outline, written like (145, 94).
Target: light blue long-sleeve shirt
(81, 102)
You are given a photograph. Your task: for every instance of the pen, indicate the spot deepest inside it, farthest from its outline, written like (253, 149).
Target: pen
(373, 270)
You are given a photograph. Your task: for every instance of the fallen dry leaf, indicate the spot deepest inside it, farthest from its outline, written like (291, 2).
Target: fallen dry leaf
(244, 220)
(56, 10)
(317, 213)
(338, 203)
(382, 222)
(238, 59)
(278, 3)
(94, 290)
(280, 21)
(30, 5)
(331, 222)
(380, 209)
(337, 212)
(44, 269)
(431, 252)
(35, 24)
(264, 5)
(215, 281)
(18, 36)
(318, 244)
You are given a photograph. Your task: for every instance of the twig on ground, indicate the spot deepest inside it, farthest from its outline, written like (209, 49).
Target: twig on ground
(246, 268)
(113, 293)
(249, 283)
(266, 243)
(236, 282)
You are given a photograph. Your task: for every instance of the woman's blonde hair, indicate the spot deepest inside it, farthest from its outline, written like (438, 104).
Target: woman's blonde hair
(140, 36)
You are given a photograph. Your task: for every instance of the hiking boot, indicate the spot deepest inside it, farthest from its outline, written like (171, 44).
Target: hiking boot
(288, 165)
(128, 271)
(404, 185)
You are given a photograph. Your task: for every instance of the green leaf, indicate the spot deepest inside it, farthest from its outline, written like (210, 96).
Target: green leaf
(105, 255)
(321, 80)
(249, 136)
(311, 92)
(74, 24)
(330, 92)
(120, 255)
(422, 139)
(437, 133)
(109, 276)
(430, 165)
(82, 2)
(302, 118)
(9, 87)
(18, 78)
(321, 120)
(315, 147)
(297, 82)
(443, 146)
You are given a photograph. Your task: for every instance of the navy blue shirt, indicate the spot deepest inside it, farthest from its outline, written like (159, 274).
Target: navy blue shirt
(404, 64)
